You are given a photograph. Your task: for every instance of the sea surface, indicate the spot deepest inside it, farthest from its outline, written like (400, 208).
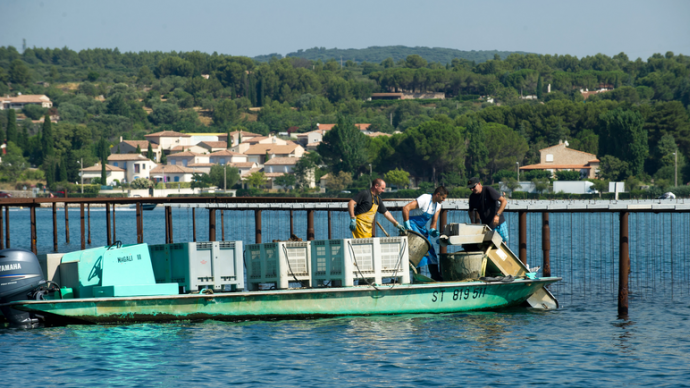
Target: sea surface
(583, 344)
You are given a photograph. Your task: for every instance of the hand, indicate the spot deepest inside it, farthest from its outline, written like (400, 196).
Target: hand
(497, 218)
(407, 225)
(433, 232)
(353, 224)
(401, 227)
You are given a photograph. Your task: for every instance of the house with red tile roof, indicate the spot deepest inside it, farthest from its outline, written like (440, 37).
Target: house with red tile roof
(561, 158)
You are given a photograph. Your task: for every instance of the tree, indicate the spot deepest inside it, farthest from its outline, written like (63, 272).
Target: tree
(225, 113)
(415, 61)
(305, 169)
(612, 168)
(19, 72)
(600, 185)
(622, 135)
(48, 142)
(13, 163)
(229, 141)
(398, 177)
(11, 126)
(433, 146)
(338, 182)
(104, 175)
(343, 148)
(164, 158)
(138, 150)
(504, 146)
(540, 88)
(224, 175)
(149, 152)
(511, 183)
(200, 180)
(541, 184)
(256, 179)
(568, 175)
(287, 181)
(477, 153)
(141, 183)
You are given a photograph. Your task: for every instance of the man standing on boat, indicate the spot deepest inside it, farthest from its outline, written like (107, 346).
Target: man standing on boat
(417, 214)
(490, 205)
(363, 208)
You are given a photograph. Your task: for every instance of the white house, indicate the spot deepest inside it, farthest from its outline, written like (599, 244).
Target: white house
(226, 157)
(213, 146)
(112, 173)
(169, 139)
(134, 165)
(186, 158)
(258, 152)
(237, 136)
(21, 101)
(130, 147)
(170, 173)
(281, 165)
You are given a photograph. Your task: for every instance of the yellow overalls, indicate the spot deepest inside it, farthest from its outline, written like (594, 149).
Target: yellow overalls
(365, 221)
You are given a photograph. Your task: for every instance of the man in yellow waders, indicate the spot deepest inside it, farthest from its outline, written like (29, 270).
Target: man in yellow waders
(364, 206)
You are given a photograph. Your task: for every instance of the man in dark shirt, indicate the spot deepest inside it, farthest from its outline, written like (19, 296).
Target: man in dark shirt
(490, 205)
(364, 206)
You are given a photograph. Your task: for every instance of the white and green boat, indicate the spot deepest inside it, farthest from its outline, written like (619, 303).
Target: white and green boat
(117, 285)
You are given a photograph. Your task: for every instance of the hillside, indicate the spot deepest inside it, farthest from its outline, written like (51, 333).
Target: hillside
(377, 54)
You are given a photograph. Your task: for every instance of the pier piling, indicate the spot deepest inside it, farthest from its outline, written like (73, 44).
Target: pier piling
(522, 247)
(33, 230)
(140, 234)
(330, 230)
(211, 224)
(442, 224)
(81, 226)
(66, 224)
(546, 244)
(107, 223)
(168, 225)
(310, 225)
(88, 221)
(194, 224)
(2, 240)
(257, 226)
(114, 227)
(7, 227)
(55, 234)
(292, 224)
(623, 265)
(222, 226)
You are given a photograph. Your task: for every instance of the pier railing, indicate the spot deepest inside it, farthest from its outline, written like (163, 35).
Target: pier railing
(215, 205)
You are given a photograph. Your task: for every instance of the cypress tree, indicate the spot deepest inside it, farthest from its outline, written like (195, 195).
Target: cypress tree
(149, 152)
(164, 159)
(540, 88)
(48, 140)
(138, 149)
(11, 126)
(229, 141)
(62, 171)
(103, 174)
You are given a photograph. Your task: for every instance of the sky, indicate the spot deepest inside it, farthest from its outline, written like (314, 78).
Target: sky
(250, 28)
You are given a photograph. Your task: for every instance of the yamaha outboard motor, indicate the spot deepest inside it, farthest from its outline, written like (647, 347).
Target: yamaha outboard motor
(20, 274)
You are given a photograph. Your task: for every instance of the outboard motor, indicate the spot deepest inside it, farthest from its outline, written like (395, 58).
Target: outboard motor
(20, 275)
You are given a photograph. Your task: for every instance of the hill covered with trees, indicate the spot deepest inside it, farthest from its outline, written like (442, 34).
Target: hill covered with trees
(102, 94)
(379, 54)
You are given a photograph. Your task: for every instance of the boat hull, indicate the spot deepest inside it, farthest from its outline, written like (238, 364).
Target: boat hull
(443, 297)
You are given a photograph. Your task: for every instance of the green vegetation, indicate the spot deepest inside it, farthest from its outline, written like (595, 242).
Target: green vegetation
(102, 94)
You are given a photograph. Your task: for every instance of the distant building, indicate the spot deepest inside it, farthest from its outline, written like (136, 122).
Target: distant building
(135, 165)
(130, 147)
(169, 139)
(561, 158)
(170, 173)
(21, 101)
(603, 88)
(408, 96)
(187, 157)
(112, 174)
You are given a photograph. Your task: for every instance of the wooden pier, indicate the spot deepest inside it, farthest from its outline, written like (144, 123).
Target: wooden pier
(311, 205)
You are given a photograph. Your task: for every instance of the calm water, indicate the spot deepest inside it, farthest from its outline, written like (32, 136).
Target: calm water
(582, 344)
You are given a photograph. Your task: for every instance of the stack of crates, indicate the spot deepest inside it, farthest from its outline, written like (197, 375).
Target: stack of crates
(278, 263)
(340, 263)
(194, 266)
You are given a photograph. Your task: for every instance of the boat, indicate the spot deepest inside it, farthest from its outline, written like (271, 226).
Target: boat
(121, 284)
(144, 206)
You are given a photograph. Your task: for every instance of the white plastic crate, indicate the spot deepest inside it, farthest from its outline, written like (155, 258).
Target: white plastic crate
(280, 263)
(217, 265)
(368, 260)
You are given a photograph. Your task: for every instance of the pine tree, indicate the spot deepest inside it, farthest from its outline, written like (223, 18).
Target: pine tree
(11, 126)
(540, 88)
(477, 153)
